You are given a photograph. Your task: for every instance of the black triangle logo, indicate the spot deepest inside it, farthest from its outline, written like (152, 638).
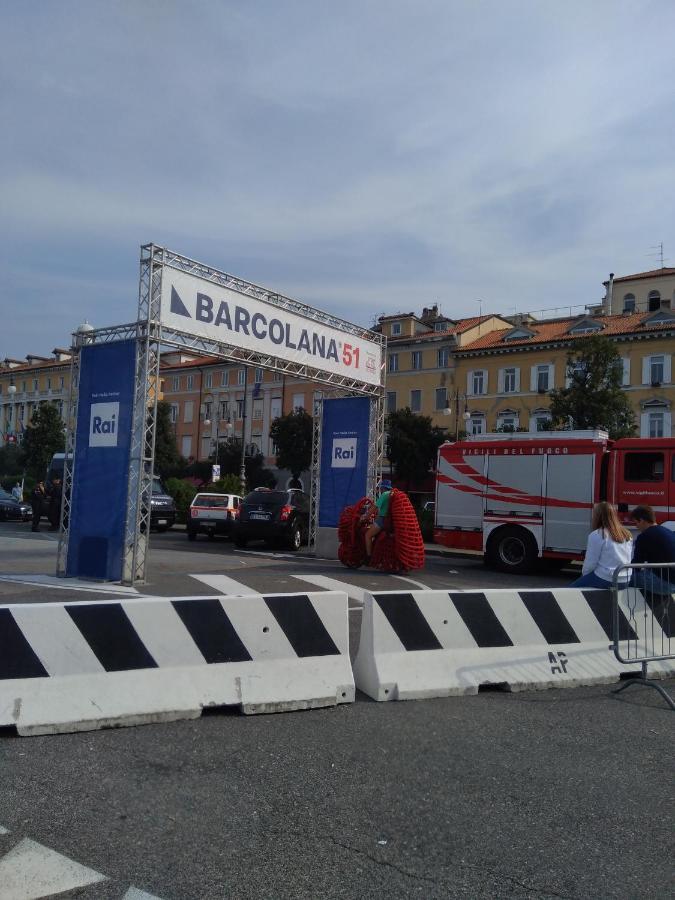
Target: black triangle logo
(177, 305)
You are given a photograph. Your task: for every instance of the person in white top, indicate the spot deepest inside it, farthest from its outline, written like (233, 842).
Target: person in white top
(609, 546)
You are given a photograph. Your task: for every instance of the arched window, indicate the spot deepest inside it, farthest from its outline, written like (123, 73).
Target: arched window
(654, 301)
(629, 303)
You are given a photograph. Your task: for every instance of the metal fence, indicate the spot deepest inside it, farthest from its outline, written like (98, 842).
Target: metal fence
(643, 614)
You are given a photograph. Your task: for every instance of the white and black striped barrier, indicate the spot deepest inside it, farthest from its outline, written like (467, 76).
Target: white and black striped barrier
(82, 666)
(439, 643)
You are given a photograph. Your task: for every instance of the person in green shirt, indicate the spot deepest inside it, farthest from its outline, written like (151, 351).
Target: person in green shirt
(382, 503)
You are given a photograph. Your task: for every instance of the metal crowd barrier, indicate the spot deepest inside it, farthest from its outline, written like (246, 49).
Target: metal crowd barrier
(643, 613)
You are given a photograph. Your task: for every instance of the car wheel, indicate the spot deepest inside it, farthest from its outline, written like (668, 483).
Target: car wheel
(192, 535)
(512, 549)
(295, 540)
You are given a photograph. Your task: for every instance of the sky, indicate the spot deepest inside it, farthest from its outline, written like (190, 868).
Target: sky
(366, 157)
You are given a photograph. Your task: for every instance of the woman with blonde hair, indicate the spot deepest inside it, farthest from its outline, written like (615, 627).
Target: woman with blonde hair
(609, 546)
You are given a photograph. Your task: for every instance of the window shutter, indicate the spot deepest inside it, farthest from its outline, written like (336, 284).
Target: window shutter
(500, 382)
(644, 424)
(626, 371)
(533, 378)
(667, 424)
(469, 383)
(667, 368)
(551, 377)
(518, 379)
(646, 374)
(486, 381)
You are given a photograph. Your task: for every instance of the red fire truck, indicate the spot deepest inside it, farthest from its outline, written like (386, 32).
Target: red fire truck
(522, 497)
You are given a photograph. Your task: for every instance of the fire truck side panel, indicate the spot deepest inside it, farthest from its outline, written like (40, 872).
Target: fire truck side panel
(568, 488)
(514, 489)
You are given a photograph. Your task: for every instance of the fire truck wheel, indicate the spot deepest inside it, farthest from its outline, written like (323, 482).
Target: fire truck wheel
(512, 549)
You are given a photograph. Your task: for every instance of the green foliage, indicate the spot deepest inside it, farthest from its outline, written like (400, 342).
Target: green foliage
(229, 458)
(44, 437)
(595, 397)
(12, 460)
(412, 444)
(229, 484)
(183, 493)
(167, 458)
(201, 471)
(292, 435)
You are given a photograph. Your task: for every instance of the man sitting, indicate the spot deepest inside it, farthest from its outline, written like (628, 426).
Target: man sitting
(382, 503)
(654, 544)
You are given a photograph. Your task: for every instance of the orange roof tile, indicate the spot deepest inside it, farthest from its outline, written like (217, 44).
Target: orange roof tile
(653, 273)
(555, 330)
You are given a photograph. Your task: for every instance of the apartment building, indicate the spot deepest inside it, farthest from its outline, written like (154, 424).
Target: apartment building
(642, 292)
(421, 358)
(506, 375)
(26, 383)
(208, 400)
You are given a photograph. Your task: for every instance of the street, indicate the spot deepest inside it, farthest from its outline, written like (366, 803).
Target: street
(559, 793)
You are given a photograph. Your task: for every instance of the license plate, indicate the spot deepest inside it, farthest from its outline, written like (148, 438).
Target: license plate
(162, 522)
(213, 514)
(264, 517)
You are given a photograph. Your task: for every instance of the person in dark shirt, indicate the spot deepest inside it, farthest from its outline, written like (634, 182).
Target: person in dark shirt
(38, 501)
(654, 544)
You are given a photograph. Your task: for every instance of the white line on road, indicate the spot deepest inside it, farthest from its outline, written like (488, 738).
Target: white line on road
(30, 871)
(136, 894)
(226, 585)
(334, 584)
(417, 584)
(3, 830)
(68, 584)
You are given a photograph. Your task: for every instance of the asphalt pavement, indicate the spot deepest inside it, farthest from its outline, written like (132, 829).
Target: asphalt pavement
(551, 794)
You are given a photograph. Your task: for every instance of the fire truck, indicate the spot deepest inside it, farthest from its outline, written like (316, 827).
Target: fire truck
(520, 498)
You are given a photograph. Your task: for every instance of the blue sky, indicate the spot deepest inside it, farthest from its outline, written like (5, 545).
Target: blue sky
(364, 157)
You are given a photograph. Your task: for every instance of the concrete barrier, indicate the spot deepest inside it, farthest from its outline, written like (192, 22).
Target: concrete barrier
(82, 666)
(438, 643)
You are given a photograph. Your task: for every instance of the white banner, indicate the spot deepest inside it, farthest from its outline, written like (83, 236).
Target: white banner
(196, 306)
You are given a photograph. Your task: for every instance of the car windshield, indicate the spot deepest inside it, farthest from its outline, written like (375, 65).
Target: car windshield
(157, 486)
(5, 496)
(266, 498)
(210, 500)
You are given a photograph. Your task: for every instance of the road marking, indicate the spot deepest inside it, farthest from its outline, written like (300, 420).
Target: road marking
(68, 584)
(333, 584)
(4, 830)
(136, 894)
(417, 584)
(226, 585)
(30, 871)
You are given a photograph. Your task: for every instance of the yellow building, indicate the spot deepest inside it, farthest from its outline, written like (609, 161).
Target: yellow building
(506, 375)
(421, 359)
(25, 384)
(642, 292)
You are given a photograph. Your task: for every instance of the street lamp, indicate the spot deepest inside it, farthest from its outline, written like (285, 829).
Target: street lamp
(466, 415)
(11, 390)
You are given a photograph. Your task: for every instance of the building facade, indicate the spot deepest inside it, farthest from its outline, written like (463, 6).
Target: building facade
(507, 375)
(25, 384)
(642, 292)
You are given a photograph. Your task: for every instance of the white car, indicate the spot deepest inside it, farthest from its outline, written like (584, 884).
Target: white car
(212, 514)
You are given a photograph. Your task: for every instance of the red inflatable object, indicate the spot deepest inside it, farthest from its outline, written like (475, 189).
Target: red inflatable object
(399, 546)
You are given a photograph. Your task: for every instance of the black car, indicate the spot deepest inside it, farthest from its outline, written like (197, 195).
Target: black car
(12, 510)
(277, 517)
(163, 507)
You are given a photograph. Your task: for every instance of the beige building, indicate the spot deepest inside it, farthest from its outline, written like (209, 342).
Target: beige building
(26, 383)
(506, 375)
(642, 292)
(421, 360)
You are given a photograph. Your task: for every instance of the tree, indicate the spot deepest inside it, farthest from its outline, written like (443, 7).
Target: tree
(292, 435)
(167, 458)
(594, 397)
(229, 458)
(412, 444)
(44, 437)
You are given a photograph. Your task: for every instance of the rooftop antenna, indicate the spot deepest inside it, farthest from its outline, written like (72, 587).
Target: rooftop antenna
(480, 314)
(659, 253)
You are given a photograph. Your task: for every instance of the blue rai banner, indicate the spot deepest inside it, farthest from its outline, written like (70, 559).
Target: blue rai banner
(101, 463)
(344, 456)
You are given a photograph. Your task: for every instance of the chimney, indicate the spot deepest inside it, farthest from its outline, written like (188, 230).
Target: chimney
(609, 295)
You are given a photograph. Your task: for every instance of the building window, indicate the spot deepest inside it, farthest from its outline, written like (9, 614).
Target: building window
(629, 303)
(476, 424)
(507, 421)
(478, 383)
(188, 410)
(186, 447)
(539, 420)
(49, 384)
(655, 423)
(318, 403)
(240, 409)
(241, 376)
(173, 413)
(61, 382)
(190, 382)
(393, 362)
(440, 326)
(298, 401)
(224, 410)
(208, 380)
(391, 401)
(207, 411)
(542, 379)
(257, 409)
(656, 370)
(278, 376)
(509, 381)
(441, 398)
(416, 359)
(395, 329)
(258, 375)
(224, 378)
(654, 301)
(442, 358)
(35, 384)
(175, 384)
(416, 401)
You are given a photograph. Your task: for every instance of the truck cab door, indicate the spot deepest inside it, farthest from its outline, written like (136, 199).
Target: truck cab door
(644, 477)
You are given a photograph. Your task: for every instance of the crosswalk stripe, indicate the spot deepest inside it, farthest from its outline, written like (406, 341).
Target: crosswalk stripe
(136, 894)
(3, 830)
(333, 584)
(225, 584)
(31, 871)
(68, 584)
